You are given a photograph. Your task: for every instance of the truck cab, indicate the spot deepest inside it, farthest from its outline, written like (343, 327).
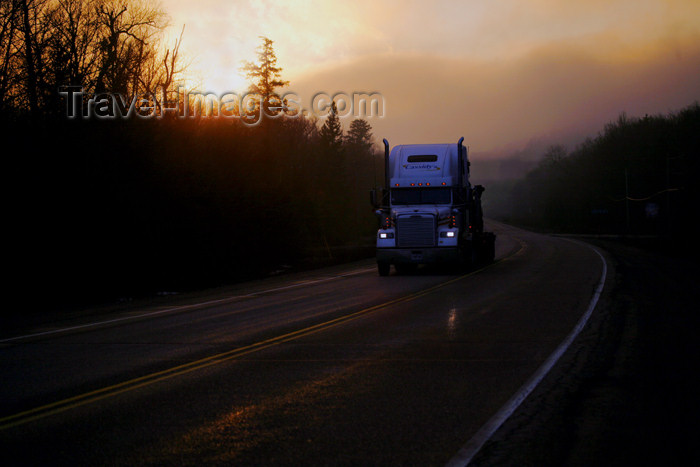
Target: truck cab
(429, 213)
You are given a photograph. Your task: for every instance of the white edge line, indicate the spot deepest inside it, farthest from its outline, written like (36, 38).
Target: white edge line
(469, 450)
(181, 308)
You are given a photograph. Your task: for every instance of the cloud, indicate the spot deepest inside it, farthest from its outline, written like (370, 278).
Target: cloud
(499, 73)
(566, 88)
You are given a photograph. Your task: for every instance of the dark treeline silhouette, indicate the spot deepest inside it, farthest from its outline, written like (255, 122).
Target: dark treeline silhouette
(103, 208)
(121, 207)
(637, 177)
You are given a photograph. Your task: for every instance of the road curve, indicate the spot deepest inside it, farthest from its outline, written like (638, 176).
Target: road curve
(338, 366)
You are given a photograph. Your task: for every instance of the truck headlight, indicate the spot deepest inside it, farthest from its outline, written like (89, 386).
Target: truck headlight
(448, 234)
(386, 235)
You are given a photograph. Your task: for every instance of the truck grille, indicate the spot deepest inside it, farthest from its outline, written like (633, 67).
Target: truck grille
(415, 231)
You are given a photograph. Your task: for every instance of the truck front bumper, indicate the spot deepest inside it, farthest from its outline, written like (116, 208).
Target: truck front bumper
(418, 255)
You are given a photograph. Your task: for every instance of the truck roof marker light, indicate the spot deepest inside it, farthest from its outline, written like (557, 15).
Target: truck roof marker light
(413, 184)
(420, 184)
(427, 184)
(444, 183)
(396, 184)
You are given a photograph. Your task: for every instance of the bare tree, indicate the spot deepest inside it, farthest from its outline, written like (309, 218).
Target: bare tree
(125, 30)
(171, 66)
(100, 45)
(9, 51)
(160, 71)
(29, 57)
(73, 42)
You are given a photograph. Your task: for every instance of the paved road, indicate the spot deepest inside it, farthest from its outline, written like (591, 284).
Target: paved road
(338, 366)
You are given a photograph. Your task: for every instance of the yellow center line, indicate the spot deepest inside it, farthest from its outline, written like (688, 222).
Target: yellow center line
(53, 408)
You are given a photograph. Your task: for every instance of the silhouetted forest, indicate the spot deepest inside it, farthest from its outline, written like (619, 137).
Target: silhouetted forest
(637, 177)
(112, 207)
(123, 207)
(103, 208)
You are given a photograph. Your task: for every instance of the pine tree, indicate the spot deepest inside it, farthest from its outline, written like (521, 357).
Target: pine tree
(331, 132)
(266, 76)
(359, 137)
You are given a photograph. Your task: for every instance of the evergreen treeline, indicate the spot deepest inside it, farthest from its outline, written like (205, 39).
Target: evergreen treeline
(637, 177)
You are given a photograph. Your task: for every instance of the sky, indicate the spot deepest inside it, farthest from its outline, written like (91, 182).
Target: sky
(501, 73)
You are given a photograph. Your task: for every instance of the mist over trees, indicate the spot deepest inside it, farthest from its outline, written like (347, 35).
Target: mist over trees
(635, 178)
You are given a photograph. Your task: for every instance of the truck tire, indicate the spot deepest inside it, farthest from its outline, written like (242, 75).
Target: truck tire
(383, 268)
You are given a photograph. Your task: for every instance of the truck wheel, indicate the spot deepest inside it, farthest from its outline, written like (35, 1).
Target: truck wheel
(383, 268)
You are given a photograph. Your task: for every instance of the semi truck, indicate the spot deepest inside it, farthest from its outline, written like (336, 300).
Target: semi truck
(429, 212)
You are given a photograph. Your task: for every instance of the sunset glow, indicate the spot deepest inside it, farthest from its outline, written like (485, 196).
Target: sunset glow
(501, 72)
(350, 232)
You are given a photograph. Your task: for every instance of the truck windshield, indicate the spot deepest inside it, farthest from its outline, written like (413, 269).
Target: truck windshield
(420, 196)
